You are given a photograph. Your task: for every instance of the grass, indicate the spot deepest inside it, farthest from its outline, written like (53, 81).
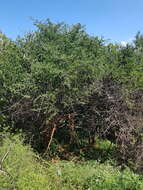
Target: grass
(25, 170)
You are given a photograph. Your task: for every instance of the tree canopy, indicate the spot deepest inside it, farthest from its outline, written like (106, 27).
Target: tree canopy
(60, 78)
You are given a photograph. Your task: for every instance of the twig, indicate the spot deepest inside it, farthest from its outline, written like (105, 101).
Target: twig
(51, 137)
(2, 160)
(6, 154)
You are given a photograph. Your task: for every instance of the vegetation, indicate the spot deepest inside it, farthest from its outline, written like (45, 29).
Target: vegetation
(73, 97)
(25, 170)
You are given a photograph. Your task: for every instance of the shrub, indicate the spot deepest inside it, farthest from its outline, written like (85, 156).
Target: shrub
(21, 170)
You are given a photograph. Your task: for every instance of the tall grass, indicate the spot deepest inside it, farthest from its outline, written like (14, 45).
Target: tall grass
(24, 170)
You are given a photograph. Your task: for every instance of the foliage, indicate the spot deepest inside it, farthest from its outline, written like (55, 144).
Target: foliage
(27, 171)
(63, 87)
(22, 171)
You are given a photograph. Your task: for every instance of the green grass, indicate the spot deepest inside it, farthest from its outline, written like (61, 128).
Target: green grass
(25, 170)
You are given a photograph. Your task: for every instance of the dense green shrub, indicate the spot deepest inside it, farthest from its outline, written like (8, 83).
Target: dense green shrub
(22, 171)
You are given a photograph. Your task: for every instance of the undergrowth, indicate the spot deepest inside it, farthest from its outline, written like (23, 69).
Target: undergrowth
(23, 169)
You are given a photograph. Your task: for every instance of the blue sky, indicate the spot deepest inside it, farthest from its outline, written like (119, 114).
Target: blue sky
(118, 20)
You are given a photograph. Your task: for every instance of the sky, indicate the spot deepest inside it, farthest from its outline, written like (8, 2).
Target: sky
(115, 20)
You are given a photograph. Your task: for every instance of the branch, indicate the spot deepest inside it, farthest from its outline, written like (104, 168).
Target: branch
(51, 137)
